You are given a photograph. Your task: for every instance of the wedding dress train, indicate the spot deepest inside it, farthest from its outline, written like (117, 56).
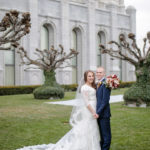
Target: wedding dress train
(85, 132)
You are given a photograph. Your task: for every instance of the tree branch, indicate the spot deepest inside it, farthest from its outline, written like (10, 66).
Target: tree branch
(14, 27)
(119, 55)
(47, 59)
(131, 48)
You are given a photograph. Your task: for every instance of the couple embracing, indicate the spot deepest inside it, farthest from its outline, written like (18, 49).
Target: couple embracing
(102, 110)
(90, 118)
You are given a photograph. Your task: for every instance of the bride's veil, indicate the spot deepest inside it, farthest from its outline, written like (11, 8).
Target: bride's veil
(76, 114)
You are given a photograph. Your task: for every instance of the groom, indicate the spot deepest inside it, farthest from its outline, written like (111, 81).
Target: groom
(103, 109)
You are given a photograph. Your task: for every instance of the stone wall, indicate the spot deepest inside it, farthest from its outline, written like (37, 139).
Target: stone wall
(88, 18)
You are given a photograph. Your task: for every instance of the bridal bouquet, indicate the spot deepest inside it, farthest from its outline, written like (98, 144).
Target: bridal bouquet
(112, 82)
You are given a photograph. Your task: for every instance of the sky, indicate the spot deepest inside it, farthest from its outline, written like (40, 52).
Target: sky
(142, 16)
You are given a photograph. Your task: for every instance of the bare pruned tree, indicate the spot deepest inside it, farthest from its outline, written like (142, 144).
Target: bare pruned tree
(140, 58)
(128, 51)
(13, 28)
(47, 59)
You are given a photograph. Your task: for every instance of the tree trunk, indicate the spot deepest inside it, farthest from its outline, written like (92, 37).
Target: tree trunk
(50, 78)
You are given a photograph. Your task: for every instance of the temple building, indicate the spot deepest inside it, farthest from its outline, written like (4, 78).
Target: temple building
(78, 24)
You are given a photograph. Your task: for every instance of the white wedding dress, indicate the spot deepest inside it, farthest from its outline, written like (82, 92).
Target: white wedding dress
(85, 132)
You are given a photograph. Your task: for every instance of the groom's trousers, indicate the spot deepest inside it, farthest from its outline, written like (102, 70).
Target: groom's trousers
(105, 133)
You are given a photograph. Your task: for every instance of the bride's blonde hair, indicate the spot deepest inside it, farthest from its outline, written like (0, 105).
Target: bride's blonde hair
(85, 77)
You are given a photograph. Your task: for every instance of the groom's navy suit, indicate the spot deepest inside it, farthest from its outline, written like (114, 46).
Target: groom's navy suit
(103, 110)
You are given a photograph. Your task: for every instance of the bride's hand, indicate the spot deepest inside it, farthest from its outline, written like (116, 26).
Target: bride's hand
(95, 116)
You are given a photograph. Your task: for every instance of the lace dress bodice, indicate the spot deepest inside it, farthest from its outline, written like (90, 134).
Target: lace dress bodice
(88, 94)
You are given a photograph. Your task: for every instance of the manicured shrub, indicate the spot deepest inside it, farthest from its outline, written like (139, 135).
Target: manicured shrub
(138, 94)
(48, 92)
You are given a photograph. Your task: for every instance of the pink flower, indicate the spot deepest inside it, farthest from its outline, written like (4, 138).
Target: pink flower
(112, 81)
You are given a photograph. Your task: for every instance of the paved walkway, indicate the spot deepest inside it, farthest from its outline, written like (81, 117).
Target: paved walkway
(113, 99)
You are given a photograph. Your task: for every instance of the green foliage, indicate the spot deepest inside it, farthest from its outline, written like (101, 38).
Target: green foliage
(138, 93)
(126, 84)
(50, 78)
(11, 90)
(70, 87)
(47, 92)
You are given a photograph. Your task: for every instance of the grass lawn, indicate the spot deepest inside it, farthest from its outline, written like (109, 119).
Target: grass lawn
(26, 121)
(118, 91)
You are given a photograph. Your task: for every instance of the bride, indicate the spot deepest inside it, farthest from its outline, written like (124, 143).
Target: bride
(84, 134)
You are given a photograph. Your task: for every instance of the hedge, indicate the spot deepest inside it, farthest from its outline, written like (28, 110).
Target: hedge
(126, 84)
(11, 90)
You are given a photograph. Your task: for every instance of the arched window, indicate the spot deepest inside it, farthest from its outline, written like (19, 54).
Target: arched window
(9, 67)
(47, 36)
(101, 39)
(76, 43)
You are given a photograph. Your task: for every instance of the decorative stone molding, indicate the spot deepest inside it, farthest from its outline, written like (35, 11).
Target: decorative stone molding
(79, 1)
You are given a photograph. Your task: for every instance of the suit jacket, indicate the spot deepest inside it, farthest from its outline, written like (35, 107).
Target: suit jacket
(103, 97)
